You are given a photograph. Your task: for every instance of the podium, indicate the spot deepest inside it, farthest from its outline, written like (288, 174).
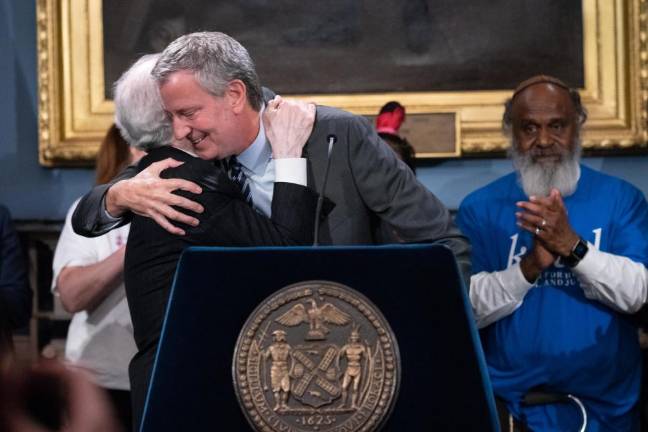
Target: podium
(443, 384)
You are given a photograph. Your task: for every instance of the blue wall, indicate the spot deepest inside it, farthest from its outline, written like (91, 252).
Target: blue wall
(27, 189)
(33, 192)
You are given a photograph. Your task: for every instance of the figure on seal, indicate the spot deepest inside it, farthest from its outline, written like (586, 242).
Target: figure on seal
(353, 351)
(279, 351)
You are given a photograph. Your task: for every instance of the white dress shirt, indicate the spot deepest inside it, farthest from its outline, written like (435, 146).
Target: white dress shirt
(263, 171)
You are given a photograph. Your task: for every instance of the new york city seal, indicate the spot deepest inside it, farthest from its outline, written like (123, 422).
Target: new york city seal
(316, 356)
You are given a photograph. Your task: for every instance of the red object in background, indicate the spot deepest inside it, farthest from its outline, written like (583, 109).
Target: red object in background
(390, 121)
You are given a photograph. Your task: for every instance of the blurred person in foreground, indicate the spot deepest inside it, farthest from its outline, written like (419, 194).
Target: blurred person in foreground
(50, 397)
(88, 277)
(559, 255)
(228, 219)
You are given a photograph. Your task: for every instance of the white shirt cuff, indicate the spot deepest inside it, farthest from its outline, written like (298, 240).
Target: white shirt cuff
(497, 294)
(614, 280)
(514, 279)
(291, 170)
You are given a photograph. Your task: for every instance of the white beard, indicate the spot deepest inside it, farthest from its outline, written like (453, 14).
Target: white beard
(538, 178)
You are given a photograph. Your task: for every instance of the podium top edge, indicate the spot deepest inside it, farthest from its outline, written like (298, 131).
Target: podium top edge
(251, 249)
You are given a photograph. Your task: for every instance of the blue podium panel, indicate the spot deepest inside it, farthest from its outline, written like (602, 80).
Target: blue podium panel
(444, 384)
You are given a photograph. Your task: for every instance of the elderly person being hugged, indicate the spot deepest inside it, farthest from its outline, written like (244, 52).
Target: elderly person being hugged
(225, 216)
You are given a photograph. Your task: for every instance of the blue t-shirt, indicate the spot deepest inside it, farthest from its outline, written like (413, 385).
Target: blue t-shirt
(557, 338)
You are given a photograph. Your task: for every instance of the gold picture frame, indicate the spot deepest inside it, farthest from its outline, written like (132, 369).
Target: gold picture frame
(74, 112)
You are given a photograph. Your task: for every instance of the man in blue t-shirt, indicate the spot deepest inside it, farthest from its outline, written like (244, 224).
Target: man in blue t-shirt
(559, 255)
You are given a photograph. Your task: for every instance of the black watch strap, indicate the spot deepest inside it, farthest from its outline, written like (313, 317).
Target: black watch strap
(577, 253)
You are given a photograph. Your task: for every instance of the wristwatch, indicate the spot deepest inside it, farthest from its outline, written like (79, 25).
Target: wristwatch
(577, 253)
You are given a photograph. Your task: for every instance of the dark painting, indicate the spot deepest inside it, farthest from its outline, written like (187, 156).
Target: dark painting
(357, 46)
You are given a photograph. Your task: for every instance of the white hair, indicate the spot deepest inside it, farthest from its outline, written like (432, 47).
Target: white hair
(538, 178)
(139, 114)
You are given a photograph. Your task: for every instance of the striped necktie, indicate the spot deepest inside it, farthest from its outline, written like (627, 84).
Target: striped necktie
(235, 172)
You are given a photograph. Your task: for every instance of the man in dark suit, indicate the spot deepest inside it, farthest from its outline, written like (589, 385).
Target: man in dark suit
(152, 252)
(212, 94)
(227, 220)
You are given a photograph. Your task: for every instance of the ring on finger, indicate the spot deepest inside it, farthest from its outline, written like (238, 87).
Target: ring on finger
(544, 222)
(537, 230)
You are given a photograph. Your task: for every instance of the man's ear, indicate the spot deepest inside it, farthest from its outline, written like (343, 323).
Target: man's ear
(236, 95)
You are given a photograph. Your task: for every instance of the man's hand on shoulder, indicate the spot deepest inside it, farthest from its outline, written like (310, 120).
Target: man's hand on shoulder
(288, 124)
(148, 195)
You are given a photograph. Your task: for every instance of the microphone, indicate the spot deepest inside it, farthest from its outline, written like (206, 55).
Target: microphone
(332, 139)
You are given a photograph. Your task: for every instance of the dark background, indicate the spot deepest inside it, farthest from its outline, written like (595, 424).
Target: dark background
(353, 46)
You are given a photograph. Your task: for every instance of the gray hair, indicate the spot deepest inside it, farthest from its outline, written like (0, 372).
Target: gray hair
(139, 114)
(538, 179)
(215, 59)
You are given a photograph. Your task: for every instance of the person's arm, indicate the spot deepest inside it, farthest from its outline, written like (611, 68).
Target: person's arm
(599, 276)
(288, 124)
(618, 277)
(390, 189)
(84, 287)
(80, 278)
(14, 287)
(228, 220)
(497, 294)
(110, 205)
(90, 218)
(611, 278)
(147, 194)
(494, 295)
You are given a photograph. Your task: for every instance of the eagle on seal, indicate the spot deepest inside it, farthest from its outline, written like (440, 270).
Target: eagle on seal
(315, 316)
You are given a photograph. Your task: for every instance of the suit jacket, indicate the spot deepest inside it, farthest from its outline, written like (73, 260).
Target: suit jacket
(152, 253)
(369, 185)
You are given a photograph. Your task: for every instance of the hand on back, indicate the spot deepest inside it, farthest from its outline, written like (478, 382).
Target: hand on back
(148, 195)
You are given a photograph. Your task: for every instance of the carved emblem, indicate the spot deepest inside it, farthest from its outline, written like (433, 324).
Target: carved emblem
(316, 356)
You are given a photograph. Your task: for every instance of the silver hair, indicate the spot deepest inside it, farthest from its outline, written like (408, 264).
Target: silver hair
(215, 59)
(139, 114)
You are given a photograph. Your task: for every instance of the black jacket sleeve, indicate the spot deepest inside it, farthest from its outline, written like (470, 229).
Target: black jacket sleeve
(229, 221)
(89, 219)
